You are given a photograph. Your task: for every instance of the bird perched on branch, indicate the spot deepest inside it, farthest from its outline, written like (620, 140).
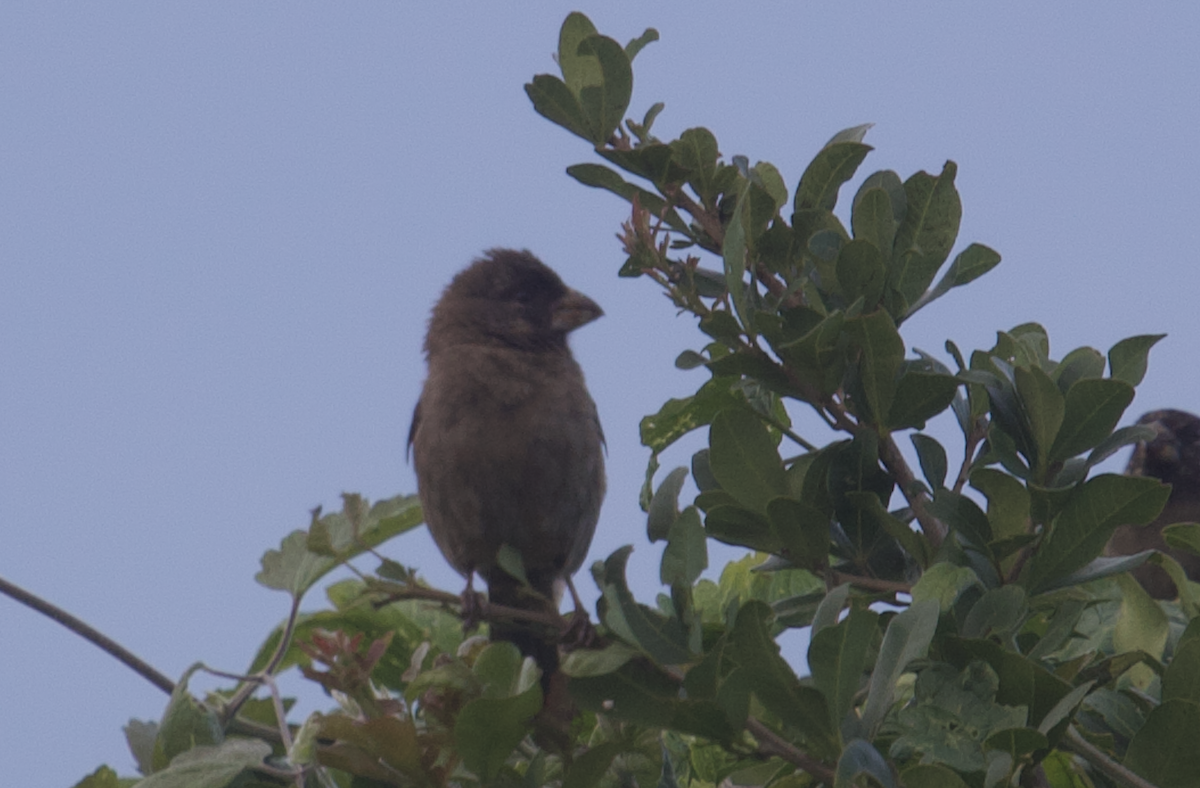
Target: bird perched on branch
(505, 438)
(1172, 456)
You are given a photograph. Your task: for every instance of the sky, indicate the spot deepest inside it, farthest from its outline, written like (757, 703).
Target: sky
(222, 227)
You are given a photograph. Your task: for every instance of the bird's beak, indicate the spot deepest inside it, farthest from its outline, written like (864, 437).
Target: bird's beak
(574, 310)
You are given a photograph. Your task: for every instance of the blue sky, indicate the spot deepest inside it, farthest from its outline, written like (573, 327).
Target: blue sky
(222, 227)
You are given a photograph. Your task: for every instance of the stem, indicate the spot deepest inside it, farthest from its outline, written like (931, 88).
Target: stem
(89, 634)
(251, 684)
(771, 743)
(1098, 758)
(707, 220)
(869, 583)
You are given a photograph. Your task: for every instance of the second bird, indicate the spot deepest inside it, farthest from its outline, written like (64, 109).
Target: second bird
(506, 441)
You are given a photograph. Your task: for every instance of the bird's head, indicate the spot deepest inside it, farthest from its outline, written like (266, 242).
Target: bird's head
(1173, 455)
(508, 298)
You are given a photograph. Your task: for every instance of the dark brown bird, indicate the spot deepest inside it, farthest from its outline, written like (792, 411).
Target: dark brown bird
(506, 442)
(1172, 456)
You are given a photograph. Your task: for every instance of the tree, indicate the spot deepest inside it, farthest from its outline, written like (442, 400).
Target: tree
(953, 642)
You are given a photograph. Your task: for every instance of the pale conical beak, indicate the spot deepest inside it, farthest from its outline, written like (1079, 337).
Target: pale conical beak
(574, 310)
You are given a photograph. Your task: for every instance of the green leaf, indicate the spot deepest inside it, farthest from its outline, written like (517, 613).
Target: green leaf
(600, 177)
(1044, 406)
(187, 723)
(853, 134)
(819, 355)
(1164, 750)
(1183, 536)
(927, 233)
(1118, 440)
(837, 658)
(1008, 502)
(873, 220)
(578, 70)
(970, 264)
(951, 714)
(869, 507)
(638, 44)
(802, 531)
(943, 583)
(1085, 524)
(861, 272)
(1092, 409)
(661, 638)
(907, 637)
(775, 685)
(882, 351)
(744, 460)
(588, 768)
(1018, 743)
(962, 515)
(1127, 358)
(678, 417)
(664, 506)
(696, 151)
(733, 256)
(833, 166)
(210, 767)
(1143, 624)
(487, 730)
(554, 101)
(931, 775)
(295, 568)
(1182, 679)
(860, 757)
(686, 555)
(604, 104)
(735, 525)
(932, 458)
(583, 663)
(997, 612)
(1082, 363)
(826, 614)
(919, 397)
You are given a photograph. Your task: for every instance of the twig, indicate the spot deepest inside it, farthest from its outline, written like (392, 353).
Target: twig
(489, 611)
(978, 433)
(1075, 742)
(89, 634)
(869, 583)
(771, 743)
(250, 684)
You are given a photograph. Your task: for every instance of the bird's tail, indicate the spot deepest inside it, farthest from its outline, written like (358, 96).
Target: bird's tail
(532, 639)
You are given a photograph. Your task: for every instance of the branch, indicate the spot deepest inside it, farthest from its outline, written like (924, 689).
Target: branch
(893, 460)
(771, 743)
(251, 684)
(96, 638)
(1075, 742)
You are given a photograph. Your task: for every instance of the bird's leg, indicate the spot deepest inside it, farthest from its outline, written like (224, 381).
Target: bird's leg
(473, 605)
(580, 632)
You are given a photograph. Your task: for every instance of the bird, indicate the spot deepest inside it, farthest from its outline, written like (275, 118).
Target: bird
(1171, 456)
(506, 441)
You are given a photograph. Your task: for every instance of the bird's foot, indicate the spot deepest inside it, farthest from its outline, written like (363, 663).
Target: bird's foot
(580, 632)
